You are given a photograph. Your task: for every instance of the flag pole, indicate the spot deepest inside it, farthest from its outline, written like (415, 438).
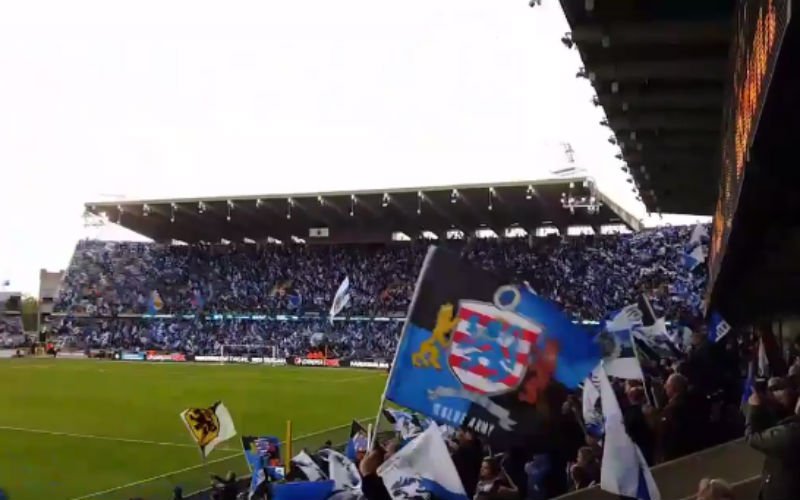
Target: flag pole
(288, 447)
(369, 437)
(425, 265)
(644, 378)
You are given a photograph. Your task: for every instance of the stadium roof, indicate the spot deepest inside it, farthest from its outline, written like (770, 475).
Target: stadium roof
(369, 215)
(660, 69)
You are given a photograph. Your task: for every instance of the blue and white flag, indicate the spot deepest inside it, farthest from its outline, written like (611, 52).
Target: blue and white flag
(308, 467)
(423, 469)
(357, 442)
(717, 328)
(480, 352)
(592, 415)
(695, 257)
(405, 423)
(619, 349)
(624, 470)
(341, 299)
(699, 233)
(344, 473)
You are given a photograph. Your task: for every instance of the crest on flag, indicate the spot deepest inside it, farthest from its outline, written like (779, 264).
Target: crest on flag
(203, 423)
(490, 348)
(209, 426)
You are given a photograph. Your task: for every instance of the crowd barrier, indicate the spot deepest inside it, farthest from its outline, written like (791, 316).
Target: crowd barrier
(734, 461)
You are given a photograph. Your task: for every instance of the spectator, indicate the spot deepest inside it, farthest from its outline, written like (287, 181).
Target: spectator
(227, 488)
(635, 420)
(468, 457)
(493, 483)
(537, 471)
(677, 426)
(714, 489)
(781, 446)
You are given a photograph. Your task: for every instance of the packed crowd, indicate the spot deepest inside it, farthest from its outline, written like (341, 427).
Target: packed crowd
(343, 339)
(588, 275)
(682, 407)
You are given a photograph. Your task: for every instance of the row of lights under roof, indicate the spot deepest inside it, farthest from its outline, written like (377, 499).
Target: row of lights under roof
(455, 195)
(605, 41)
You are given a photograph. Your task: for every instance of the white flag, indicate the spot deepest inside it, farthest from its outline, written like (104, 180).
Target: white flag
(345, 475)
(423, 469)
(592, 417)
(699, 231)
(341, 299)
(209, 426)
(624, 470)
(306, 464)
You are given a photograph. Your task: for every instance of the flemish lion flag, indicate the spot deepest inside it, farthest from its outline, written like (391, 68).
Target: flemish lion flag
(209, 426)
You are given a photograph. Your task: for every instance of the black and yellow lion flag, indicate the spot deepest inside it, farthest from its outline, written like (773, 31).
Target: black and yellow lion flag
(209, 426)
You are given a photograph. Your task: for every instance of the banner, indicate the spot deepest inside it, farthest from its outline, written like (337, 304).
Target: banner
(71, 354)
(179, 357)
(369, 364)
(132, 356)
(480, 352)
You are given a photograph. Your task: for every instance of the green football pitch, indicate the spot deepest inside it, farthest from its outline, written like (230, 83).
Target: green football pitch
(81, 429)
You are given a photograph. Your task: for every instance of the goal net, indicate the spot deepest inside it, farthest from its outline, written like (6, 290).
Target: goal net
(247, 353)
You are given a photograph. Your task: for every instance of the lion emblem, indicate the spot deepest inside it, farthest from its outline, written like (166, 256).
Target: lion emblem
(429, 351)
(204, 424)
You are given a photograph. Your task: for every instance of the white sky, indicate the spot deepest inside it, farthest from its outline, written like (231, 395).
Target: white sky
(162, 98)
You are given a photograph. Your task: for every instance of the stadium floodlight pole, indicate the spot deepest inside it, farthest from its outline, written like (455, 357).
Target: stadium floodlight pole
(425, 264)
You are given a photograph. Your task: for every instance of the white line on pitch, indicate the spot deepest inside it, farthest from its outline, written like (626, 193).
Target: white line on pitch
(167, 474)
(155, 478)
(100, 438)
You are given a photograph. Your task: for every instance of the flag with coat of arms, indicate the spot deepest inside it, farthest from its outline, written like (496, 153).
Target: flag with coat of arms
(209, 426)
(481, 352)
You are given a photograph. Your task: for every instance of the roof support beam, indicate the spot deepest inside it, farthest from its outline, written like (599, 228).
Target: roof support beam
(660, 99)
(689, 69)
(676, 120)
(665, 32)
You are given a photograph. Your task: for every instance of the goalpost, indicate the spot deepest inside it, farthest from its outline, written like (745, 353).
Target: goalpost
(238, 353)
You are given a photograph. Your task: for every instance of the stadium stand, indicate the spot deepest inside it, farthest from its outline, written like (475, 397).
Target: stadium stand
(589, 276)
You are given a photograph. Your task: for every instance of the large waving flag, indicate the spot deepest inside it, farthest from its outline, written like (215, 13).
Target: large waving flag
(209, 426)
(624, 470)
(480, 352)
(423, 466)
(341, 299)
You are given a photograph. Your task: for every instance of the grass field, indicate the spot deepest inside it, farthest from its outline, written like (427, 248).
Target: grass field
(73, 429)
